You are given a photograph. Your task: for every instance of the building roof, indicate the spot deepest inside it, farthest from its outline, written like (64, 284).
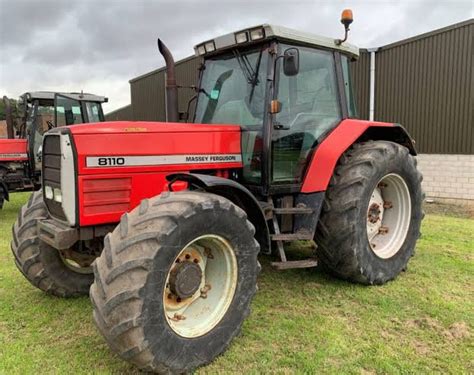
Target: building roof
(284, 33)
(429, 34)
(49, 95)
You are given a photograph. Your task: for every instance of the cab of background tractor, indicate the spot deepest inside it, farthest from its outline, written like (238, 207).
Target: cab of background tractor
(286, 89)
(43, 110)
(32, 115)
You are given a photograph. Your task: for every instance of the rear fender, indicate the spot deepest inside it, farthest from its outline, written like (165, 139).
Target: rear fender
(237, 194)
(325, 157)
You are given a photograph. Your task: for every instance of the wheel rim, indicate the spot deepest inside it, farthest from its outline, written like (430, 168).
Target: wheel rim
(74, 266)
(200, 286)
(388, 216)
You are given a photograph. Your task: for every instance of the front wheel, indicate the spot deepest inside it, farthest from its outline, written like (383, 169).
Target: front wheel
(372, 213)
(175, 281)
(43, 266)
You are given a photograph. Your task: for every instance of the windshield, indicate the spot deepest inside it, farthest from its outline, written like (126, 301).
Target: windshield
(233, 89)
(233, 92)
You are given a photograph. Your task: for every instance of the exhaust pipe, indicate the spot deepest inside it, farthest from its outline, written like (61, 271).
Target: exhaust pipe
(8, 118)
(172, 114)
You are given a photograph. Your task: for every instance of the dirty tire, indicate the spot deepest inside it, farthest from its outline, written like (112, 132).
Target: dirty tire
(40, 263)
(341, 235)
(130, 279)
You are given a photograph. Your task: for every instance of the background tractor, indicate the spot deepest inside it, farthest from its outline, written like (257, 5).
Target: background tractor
(166, 220)
(36, 113)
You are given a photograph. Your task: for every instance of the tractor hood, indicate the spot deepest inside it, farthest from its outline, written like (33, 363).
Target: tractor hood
(108, 168)
(123, 147)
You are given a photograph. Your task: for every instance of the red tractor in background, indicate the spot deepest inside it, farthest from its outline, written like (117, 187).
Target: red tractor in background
(166, 220)
(36, 113)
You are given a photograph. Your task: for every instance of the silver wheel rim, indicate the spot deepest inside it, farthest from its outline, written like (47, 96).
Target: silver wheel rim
(198, 314)
(388, 216)
(74, 266)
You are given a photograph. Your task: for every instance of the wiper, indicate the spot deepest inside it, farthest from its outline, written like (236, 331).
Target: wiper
(255, 76)
(250, 74)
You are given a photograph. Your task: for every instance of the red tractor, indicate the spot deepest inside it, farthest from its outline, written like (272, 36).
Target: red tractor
(37, 112)
(166, 220)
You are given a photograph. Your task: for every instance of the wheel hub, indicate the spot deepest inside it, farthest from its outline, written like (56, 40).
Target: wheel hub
(185, 279)
(374, 213)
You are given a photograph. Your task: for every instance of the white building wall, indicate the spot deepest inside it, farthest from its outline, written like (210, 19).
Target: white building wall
(448, 176)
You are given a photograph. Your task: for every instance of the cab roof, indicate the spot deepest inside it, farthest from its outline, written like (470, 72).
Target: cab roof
(284, 34)
(49, 95)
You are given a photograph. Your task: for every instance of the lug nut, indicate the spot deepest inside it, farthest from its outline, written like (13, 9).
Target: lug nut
(387, 204)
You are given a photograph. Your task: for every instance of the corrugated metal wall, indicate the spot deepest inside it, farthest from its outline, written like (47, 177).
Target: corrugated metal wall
(121, 114)
(148, 91)
(360, 74)
(426, 83)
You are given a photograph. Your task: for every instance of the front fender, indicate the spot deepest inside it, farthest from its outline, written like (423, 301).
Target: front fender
(237, 194)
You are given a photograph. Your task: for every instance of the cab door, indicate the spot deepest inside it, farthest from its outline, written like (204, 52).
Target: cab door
(310, 107)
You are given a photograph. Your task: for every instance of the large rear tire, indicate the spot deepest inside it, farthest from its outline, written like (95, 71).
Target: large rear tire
(372, 213)
(175, 281)
(42, 265)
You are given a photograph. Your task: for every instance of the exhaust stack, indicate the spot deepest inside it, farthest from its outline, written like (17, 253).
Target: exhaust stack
(9, 118)
(172, 114)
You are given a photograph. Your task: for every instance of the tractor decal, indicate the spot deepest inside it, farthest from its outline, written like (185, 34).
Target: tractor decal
(126, 161)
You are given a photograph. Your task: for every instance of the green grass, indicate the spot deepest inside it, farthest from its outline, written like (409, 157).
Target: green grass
(302, 321)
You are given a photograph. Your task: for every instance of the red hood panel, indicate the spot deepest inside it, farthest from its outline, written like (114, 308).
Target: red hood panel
(155, 147)
(13, 150)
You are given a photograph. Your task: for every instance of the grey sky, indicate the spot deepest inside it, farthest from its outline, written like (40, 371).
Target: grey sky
(97, 46)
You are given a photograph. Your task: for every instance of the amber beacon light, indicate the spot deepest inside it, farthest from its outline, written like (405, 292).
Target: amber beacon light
(346, 20)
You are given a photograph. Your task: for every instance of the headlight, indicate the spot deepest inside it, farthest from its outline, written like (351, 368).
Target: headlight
(210, 47)
(256, 34)
(201, 50)
(241, 37)
(48, 192)
(58, 196)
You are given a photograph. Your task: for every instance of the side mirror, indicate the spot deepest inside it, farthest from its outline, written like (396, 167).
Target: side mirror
(291, 62)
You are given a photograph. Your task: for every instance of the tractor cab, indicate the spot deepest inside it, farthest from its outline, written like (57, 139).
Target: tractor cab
(43, 110)
(286, 89)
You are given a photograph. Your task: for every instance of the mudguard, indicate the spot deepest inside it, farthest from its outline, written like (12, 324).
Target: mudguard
(325, 157)
(237, 194)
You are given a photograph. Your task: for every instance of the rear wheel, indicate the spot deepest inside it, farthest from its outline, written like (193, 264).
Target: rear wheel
(372, 213)
(175, 281)
(46, 268)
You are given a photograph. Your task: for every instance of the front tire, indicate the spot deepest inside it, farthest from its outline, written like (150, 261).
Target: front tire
(155, 301)
(42, 265)
(372, 213)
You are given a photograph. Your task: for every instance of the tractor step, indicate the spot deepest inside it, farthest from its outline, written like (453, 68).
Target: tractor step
(291, 236)
(290, 264)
